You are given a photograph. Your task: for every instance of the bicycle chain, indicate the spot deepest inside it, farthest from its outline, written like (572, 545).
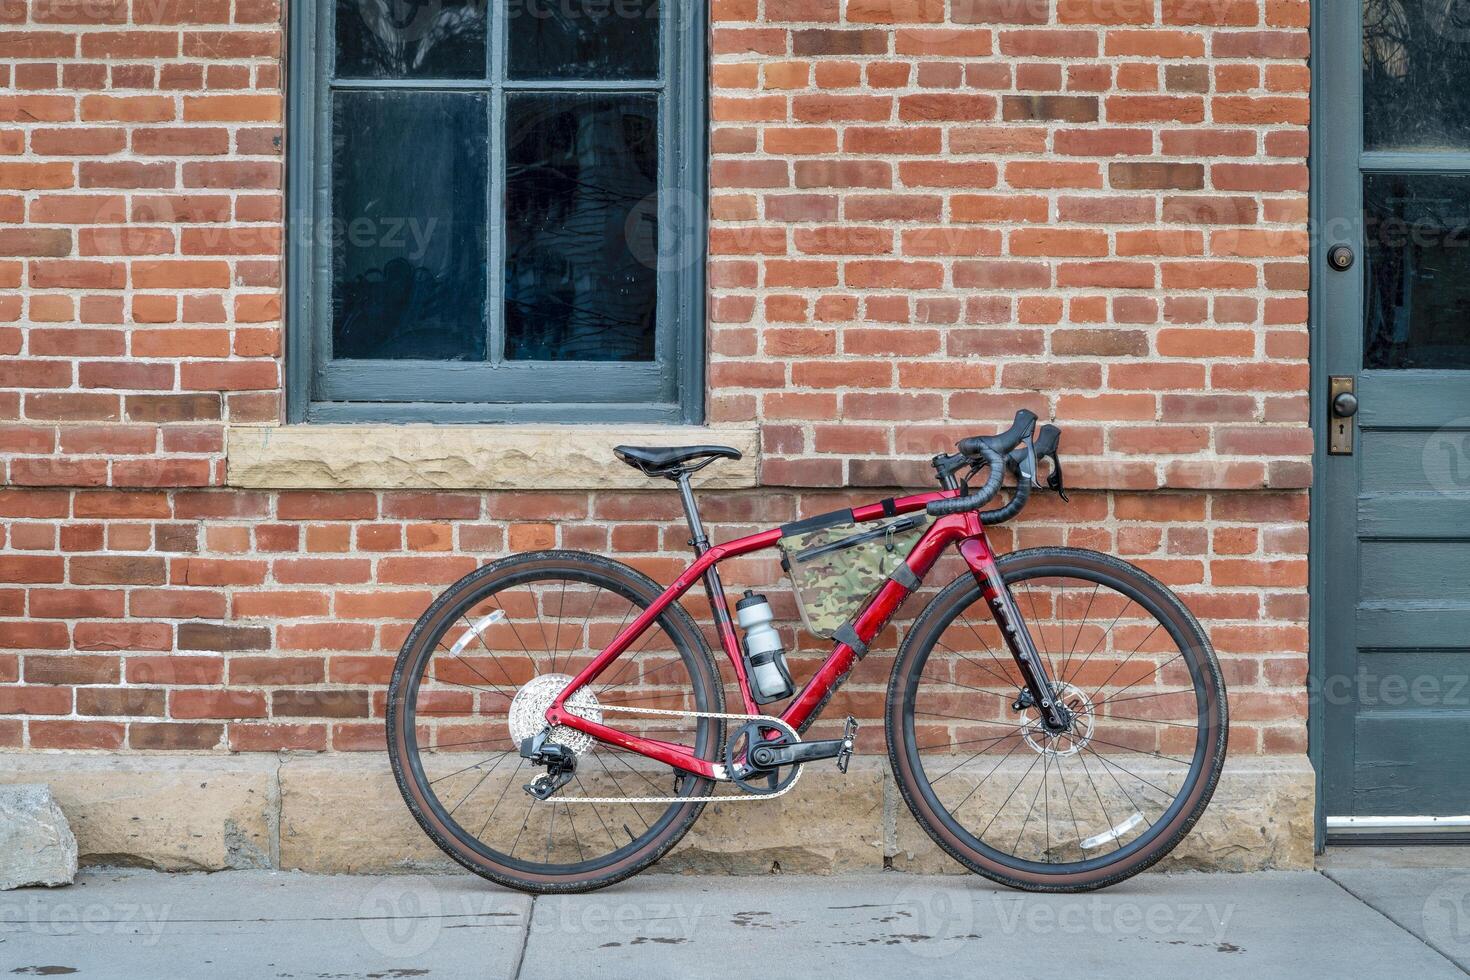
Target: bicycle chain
(667, 712)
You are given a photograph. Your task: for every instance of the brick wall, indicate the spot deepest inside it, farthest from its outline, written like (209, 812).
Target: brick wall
(926, 214)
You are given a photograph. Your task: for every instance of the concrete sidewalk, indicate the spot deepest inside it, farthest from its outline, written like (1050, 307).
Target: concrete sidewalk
(1353, 919)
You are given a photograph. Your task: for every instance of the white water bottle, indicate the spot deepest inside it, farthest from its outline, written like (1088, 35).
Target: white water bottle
(765, 660)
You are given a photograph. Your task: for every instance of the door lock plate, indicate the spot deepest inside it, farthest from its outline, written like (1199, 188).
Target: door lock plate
(1341, 428)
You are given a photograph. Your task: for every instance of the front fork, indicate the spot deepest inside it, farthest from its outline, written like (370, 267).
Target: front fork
(1002, 606)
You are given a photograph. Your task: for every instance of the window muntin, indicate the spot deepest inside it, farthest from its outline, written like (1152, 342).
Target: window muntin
(513, 212)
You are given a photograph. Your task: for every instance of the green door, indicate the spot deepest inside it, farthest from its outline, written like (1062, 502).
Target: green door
(1392, 311)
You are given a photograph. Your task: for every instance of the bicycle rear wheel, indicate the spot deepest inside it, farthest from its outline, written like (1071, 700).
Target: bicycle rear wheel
(475, 677)
(1073, 809)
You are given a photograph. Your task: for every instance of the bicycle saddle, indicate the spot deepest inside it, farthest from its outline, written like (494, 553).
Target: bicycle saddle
(671, 460)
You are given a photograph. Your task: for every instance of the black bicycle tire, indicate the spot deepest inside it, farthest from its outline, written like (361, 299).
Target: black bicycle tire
(930, 625)
(681, 628)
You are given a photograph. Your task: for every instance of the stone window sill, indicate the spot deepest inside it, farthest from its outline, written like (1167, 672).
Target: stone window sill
(448, 457)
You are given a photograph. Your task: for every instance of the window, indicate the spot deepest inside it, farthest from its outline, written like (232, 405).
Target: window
(497, 211)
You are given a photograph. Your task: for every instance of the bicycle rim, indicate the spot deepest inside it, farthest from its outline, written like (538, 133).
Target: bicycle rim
(473, 680)
(1082, 807)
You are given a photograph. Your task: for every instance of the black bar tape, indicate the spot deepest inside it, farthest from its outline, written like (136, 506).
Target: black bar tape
(846, 634)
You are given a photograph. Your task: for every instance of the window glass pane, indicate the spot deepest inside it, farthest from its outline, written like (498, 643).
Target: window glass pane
(581, 228)
(596, 39)
(408, 249)
(410, 38)
(1418, 271)
(1416, 74)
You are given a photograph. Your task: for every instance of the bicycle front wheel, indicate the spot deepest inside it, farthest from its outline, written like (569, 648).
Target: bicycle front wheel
(1071, 809)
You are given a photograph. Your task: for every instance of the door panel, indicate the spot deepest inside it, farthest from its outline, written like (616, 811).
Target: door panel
(1393, 561)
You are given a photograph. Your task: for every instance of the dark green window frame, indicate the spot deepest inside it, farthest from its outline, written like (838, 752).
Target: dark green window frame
(669, 389)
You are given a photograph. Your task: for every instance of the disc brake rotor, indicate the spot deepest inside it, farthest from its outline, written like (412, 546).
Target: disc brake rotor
(1064, 743)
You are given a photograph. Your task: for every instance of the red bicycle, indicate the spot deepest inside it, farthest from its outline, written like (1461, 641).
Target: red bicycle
(1055, 718)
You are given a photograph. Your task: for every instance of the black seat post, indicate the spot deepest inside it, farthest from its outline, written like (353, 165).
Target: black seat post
(698, 538)
(713, 587)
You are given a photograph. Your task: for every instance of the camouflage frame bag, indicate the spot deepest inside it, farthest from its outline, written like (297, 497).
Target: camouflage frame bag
(834, 569)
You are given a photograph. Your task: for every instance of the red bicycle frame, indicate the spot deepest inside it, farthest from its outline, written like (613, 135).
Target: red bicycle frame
(964, 530)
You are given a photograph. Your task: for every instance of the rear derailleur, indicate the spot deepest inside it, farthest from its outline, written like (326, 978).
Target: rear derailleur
(560, 763)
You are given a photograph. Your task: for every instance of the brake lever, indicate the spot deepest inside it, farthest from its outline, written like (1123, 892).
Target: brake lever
(1054, 479)
(1027, 468)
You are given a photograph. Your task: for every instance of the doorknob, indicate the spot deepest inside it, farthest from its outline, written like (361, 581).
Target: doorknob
(1342, 405)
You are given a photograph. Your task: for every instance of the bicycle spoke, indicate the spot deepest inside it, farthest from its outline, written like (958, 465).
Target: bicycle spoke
(510, 781)
(472, 687)
(1002, 676)
(1109, 767)
(977, 721)
(619, 786)
(1115, 670)
(1127, 686)
(472, 790)
(1098, 793)
(1003, 695)
(1081, 625)
(1043, 809)
(1113, 764)
(1155, 721)
(1106, 633)
(556, 640)
(595, 812)
(473, 741)
(1036, 618)
(974, 741)
(459, 772)
(481, 638)
(478, 723)
(1067, 795)
(1143, 697)
(1006, 802)
(1129, 748)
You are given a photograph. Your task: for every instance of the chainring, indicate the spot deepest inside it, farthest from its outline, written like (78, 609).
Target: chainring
(737, 750)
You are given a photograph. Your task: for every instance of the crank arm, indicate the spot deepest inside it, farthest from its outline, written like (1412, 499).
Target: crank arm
(774, 756)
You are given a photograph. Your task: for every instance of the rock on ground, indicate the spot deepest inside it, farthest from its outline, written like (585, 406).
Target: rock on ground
(36, 843)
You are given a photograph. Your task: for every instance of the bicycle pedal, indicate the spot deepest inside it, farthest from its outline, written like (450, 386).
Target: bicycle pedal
(849, 739)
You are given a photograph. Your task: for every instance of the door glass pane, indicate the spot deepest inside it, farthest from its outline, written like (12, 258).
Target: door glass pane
(408, 237)
(581, 232)
(410, 38)
(595, 39)
(1418, 271)
(1416, 74)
